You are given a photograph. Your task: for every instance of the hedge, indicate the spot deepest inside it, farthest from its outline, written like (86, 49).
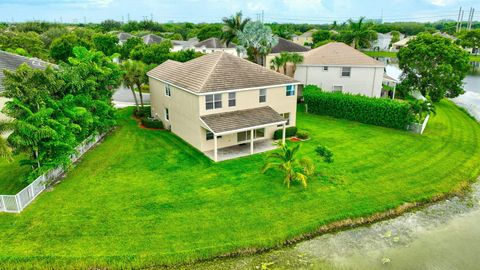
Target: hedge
(373, 111)
(152, 123)
(289, 132)
(146, 111)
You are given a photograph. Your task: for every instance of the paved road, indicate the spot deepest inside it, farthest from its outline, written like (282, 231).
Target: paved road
(123, 97)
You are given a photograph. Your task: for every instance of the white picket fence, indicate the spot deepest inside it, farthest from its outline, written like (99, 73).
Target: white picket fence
(16, 203)
(419, 128)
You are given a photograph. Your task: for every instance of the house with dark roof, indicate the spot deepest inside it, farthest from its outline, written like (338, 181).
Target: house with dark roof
(212, 45)
(152, 39)
(223, 105)
(340, 68)
(10, 61)
(285, 45)
(123, 37)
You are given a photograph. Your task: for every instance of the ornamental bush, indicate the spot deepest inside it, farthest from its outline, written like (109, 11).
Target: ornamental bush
(152, 123)
(373, 111)
(289, 132)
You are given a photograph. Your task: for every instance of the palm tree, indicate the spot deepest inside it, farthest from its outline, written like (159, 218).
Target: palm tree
(295, 59)
(133, 76)
(359, 35)
(293, 169)
(5, 150)
(276, 63)
(232, 26)
(257, 40)
(285, 59)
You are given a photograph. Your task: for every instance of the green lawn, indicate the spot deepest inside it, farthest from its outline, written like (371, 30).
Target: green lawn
(474, 58)
(13, 177)
(146, 198)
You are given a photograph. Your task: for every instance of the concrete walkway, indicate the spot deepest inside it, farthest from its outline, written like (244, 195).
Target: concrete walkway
(243, 150)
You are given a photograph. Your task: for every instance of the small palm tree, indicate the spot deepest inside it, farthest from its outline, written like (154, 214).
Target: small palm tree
(295, 59)
(276, 63)
(285, 59)
(294, 169)
(133, 73)
(5, 149)
(232, 25)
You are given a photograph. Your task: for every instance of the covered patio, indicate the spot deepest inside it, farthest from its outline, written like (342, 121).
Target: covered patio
(249, 125)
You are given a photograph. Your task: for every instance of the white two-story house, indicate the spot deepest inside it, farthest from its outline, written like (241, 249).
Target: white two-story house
(339, 67)
(221, 101)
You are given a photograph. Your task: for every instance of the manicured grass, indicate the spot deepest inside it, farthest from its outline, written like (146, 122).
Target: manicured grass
(13, 177)
(146, 198)
(474, 58)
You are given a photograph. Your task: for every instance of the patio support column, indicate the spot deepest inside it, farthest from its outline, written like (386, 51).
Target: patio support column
(394, 90)
(251, 142)
(215, 150)
(284, 131)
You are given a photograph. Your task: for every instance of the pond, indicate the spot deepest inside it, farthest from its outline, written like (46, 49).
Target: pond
(445, 235)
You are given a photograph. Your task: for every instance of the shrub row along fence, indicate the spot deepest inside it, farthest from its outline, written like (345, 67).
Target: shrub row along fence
(16, 203)
(374, 111)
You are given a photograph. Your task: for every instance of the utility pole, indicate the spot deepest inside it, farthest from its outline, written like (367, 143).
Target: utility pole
(461, 21)
(263, 15)
(128, 17)
(458, 19)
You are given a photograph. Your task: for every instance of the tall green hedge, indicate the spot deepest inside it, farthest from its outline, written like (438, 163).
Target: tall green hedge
(374, 111)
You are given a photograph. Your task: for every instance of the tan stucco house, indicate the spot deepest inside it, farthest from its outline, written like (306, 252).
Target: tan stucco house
(222, 102)
(305, 38)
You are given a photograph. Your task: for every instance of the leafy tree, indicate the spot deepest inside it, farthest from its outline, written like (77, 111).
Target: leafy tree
(232, 26)
(128, 46)
(470, 39)
(358, 34)
(105, 43)
(395, 37)
(321, 35)
(155, 53)
(294, 169)
(422, 108)
(434, 66)
(210, 30)
(30, 42)
(110, 25)
(62, 48)
(51, 34)
(257, 40)
(5, 150)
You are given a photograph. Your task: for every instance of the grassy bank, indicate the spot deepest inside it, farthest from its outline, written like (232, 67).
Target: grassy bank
(147, 198)
(12, 176)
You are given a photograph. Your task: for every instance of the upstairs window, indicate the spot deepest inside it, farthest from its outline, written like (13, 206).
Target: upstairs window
(168, 92)
(213, 101)
(346, 71)
(325, 68)
(232, 99)
(290, 90)
(209, 135)
(262, 97)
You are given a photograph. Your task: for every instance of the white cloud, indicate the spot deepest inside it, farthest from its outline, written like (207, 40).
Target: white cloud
(442, 3)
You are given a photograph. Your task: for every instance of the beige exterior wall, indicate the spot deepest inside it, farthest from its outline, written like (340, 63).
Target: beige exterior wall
(269, 58)
(366, 81)
(185, 109)
(302, 40)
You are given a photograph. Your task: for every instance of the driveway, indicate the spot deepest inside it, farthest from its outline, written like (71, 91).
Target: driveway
(123, 98)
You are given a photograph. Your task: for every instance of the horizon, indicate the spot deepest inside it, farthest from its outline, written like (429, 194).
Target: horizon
(212, 11)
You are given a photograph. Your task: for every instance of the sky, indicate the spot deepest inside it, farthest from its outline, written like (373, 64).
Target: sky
(294, 11)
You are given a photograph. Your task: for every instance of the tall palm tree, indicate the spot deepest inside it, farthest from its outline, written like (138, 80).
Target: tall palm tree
(285, 59)
(295, 59)
(133, 73)
(358, 34)
(232, 25)
(5, 150)
(293, 169)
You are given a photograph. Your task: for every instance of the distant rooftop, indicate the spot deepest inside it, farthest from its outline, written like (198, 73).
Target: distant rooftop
(214, 43)
(338, 53)
(285, 45)
(123, 36)
(217, 71)
(152, 39)
(10, 61)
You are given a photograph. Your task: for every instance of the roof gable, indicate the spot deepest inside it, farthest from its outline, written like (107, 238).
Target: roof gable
(285, 45)
(214, 43)
(338, 53)
(218, 71)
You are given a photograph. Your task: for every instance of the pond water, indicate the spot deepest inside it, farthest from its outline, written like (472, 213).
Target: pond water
(442, 236)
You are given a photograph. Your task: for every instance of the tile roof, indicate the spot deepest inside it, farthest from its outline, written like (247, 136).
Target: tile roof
(338, 53)
(218, 71)
(241, 119)
(12, 61)
(152, 39)
(214, 43)
(123, 36)
(285, 45)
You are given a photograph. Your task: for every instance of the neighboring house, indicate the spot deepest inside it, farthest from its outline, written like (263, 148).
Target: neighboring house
(221, 101)
(339, 67)
(305, 38)
(180, 45)
(123, 37)
(212, 45)
(152, 39)
(383, 41)
(10, 61)
(285, 45)
(400, 44)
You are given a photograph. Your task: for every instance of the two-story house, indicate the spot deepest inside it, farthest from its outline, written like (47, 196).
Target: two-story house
(220, 100)
(340, 68)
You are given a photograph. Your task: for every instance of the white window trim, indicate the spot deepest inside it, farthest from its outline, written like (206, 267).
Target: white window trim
(169, 91)
(230, 99)
(294, 91)
(166, 112)
(349, 75)
(260, 95)
(214, 101)
(325, 68)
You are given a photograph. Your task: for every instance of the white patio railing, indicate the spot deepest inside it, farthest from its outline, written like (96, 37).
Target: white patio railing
(16, 203)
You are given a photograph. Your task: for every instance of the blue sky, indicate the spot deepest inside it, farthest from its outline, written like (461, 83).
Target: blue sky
(312, 11)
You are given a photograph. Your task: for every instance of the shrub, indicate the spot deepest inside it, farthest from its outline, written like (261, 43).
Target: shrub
(302, 135)
(143, 112)
(324, 152)
(152, 123)
(373, 111)
(289, 132)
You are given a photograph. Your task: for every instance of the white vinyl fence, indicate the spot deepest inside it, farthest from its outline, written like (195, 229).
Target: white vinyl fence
(419, 128)
(16, 203)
